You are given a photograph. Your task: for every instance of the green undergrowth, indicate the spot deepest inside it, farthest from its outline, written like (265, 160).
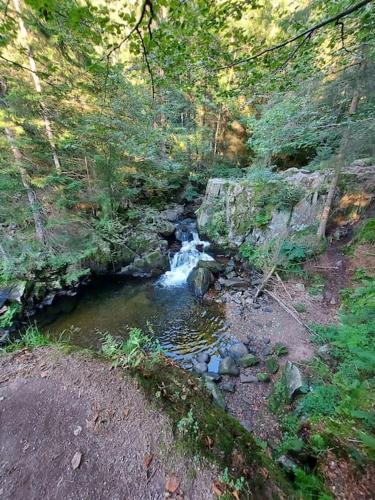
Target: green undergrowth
(32, 338)
(337, 410)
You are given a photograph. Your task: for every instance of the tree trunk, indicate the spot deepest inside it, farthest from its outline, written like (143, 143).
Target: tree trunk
(37, 85)
(336, 174)
(216, 135)
(37, 215)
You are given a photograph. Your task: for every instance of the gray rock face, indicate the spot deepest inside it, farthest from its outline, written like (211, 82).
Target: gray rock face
(238, 351)
(228, 366)
(172, 213)
(199, 367)
(292, 379)
(199, 281)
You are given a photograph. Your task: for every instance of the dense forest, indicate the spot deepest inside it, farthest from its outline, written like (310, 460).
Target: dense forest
(122, 120)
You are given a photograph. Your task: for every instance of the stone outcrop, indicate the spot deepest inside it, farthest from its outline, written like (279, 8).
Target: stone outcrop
(289, 203)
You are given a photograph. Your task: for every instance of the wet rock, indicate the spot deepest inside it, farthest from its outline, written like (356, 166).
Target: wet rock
(200, 368)
(212, 265)
(212, 376)
(228, 387)
(263, 377)
(247, 379)
(272, 364)
(292, 379)
(238, 350)
(216, 393)
(287, 464)
(227, 366)
(199, 281)
(248, 360)
(203, 357)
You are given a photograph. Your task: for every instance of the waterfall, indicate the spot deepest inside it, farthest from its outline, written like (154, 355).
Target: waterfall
(190, 253)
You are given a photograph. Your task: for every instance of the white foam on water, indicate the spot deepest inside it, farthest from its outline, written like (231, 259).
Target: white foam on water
(184, 261)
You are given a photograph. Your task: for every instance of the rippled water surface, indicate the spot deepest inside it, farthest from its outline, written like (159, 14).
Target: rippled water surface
(182, 325)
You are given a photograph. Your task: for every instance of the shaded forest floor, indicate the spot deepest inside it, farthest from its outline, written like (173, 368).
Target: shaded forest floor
(56, 406)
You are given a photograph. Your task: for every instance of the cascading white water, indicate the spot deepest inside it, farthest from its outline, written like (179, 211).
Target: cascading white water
(186, 258)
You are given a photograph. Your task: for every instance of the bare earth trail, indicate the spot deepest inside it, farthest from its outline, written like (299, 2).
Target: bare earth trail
(54, 405)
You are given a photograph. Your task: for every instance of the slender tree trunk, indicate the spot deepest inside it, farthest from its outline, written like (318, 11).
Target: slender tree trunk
(37, 215)
(38, 87)
(336, 173)
(216, 135)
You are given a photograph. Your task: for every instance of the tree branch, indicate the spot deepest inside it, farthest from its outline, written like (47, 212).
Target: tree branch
(305, 33)
(147, 63)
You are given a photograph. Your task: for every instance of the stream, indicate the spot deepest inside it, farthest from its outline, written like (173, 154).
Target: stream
(182, 324)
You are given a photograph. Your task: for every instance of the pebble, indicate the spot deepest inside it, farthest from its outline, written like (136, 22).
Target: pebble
(255, 306)
(77, 430)
(266, 340)
(267, 309)
(247, 425)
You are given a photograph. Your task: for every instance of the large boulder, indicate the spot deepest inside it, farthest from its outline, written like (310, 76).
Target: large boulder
(199, 281)
(292, 379)
(149, 265)
(227, 366)
(14, 292)
(238, 351)
(212, 265)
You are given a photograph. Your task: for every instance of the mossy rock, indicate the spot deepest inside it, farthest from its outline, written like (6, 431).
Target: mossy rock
(199, 281)
(272, 364)
(263, 377)
(280, 349)
(248, 360)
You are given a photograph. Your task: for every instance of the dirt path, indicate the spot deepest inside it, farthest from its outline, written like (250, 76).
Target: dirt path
(53, 406)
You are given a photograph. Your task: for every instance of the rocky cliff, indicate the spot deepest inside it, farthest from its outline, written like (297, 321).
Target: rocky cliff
(279, 206)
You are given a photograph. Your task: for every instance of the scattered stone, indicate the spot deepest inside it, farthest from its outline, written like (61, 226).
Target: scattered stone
(199, 367)
(266, 340)
(267, 350)
(217, 286)
(287, 463)
(248, 360)
(212, 265)
(203, 357)
(247, 379)
(299, 287)
(267, 309)
(227, 366)
(212, 376)
(255, 306)
(76, 460)
(292, 379)
(228, 387)
(247, 424)
(263, 377)
(238, 350)
(324, 352)
(217, 395)
(272, 364)
(77, 430)
(333, 301)
(223, 351)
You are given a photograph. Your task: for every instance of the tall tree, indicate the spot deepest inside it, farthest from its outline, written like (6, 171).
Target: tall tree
(24, 37)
